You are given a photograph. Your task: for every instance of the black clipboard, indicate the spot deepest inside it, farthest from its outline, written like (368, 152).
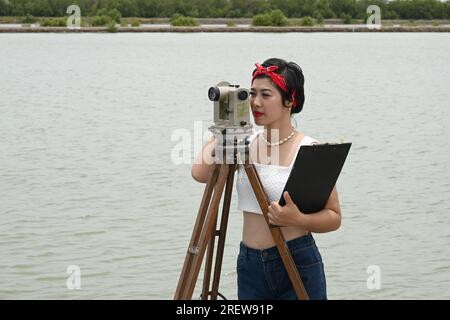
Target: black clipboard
(314, 174)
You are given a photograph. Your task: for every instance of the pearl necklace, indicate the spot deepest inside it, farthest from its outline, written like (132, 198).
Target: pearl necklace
(279, 142)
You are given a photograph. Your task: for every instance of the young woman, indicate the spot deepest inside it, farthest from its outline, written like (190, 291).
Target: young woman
(276, 93)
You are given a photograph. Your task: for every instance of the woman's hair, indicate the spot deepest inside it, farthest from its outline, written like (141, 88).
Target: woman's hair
(294, 79)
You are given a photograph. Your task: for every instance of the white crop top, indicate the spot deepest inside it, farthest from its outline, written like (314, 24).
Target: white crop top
(273, 179)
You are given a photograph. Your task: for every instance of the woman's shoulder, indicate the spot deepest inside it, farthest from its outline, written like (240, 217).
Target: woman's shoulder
(308, 140)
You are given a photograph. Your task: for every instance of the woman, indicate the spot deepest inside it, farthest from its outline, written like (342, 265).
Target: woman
(276, 94)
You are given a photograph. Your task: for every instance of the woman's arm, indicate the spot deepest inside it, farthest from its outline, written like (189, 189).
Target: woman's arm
(204, 163)
(325, 220)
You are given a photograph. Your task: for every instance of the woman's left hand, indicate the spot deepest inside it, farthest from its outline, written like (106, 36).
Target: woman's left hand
(288, 215)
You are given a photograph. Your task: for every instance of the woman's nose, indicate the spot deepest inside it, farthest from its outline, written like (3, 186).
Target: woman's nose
(255, 101)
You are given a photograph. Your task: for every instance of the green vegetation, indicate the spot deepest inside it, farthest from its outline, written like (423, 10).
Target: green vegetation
(126, 22)
(112, 26)
(55, 22)
(101, 21)
(231, 23)
(28, 19)
(308, 21)
(182, 21)
(114, 14)
(107, 17)
(346, 18)
(273, 18)
(319, 19)
(261, 20)
(135, 23)
(327, 9)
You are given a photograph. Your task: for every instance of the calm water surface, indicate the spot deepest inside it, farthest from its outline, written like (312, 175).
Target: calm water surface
(87, 176)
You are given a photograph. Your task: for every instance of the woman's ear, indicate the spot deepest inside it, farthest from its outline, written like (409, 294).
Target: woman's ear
(289, 104)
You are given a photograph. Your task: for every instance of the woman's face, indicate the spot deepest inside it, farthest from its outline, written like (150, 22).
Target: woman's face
(266, 102)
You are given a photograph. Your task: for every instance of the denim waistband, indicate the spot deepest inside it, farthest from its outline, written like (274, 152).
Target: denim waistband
(272, 252)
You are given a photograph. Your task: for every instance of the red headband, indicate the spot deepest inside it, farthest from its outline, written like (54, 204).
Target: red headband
(276, 78)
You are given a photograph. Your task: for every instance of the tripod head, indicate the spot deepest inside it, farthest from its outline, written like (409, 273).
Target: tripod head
(232, 126)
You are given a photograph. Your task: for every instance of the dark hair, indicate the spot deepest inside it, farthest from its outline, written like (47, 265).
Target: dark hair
(294, 79)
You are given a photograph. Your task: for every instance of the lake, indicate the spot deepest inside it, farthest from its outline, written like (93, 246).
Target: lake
(88, 180)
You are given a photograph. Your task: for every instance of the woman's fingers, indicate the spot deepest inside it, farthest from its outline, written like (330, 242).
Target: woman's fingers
(269, 215)
(272, 214)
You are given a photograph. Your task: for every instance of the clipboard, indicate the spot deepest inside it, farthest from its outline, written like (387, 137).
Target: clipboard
(314, 174)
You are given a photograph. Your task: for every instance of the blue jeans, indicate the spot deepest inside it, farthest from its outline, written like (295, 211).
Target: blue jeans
(261, 274)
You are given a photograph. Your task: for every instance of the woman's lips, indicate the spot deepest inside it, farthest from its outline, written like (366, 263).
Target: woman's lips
(257, 114)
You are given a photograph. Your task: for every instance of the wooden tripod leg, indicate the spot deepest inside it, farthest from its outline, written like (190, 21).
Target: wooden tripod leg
(186, 270)
(197, 249)
(208, 265)
(222, 232)
(278, 237)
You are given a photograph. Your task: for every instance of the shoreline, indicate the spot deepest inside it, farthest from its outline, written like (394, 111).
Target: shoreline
(349, 28)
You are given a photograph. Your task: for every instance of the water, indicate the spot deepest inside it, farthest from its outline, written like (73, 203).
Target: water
(87, 178)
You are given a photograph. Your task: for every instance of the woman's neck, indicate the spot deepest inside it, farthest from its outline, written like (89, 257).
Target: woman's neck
(276, 131)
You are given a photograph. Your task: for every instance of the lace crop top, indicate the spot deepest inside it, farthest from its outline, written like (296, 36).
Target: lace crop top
(273, 179)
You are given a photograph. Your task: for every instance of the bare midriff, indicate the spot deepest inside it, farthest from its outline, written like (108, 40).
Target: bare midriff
(256, 233)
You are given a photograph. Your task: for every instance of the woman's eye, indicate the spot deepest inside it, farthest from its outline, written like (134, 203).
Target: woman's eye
(252, 94)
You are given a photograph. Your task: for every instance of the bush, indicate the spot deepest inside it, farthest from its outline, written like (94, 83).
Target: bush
(231, 23)
(135, 23)
(101, 21)
(56, 22)
(278, 18)
(308, 21)
(112, 26)
(392, 15)
(182, 21)
(346, 18)
(114, 14)
(319, 19)
(274, 18)
(261, 20)
(28, 19)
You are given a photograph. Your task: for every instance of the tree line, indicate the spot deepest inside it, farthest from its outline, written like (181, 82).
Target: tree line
(327, 9)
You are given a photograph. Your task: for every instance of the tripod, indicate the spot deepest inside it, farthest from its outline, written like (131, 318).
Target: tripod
(204, 233)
